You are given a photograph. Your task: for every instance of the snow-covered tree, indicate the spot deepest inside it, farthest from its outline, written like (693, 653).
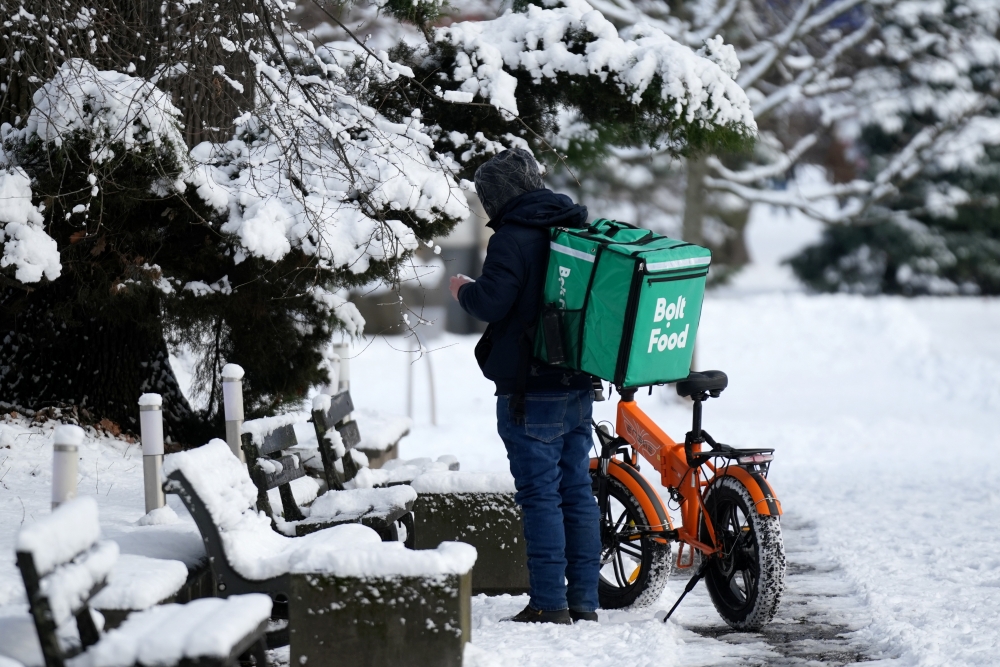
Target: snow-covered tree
(209, 174)
(794, 59)
(926, 212)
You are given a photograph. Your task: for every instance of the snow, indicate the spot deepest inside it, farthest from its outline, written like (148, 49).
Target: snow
(866, 400)
(151, 400)
(265, 426)
(219, 479)
(27, 246)
(69, 585)
(161, 516)
(464, 482)
(321, 402)
(379, 430)
(388, 559)
(68, 435)
(252, 547)
(304, 491)
(72, 528)
(232, 372)
(139, 582)
(395, 471)
(113, 108)
(354, 503)
(576, 40)
(883, 415)
(163, 635)
(18, 639)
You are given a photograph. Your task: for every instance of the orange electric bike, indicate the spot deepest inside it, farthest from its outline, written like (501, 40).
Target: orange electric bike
(729, 533)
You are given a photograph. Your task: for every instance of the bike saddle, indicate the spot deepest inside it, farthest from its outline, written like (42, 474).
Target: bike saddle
(711, 381)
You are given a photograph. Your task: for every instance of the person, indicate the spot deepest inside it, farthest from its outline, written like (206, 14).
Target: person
(543, 412)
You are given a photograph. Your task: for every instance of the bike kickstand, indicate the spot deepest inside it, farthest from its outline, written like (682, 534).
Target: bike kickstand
(689, 587)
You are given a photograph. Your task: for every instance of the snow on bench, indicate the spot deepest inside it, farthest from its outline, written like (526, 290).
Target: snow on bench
(401, 471)
(270, 468)
(220, 495)
(247, 555)
(64, 565)
(210, 629)
(139, 582)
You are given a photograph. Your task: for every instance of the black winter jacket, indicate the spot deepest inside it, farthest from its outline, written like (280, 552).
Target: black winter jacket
(508, 293)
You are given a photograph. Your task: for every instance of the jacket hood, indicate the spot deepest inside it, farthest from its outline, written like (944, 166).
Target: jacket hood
(540, 208)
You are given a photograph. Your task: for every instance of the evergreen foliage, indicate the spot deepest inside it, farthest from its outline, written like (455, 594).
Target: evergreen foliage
(211, 178)
(931, 117)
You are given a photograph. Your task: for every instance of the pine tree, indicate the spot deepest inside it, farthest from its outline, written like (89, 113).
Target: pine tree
(929, 122)
(214, 177)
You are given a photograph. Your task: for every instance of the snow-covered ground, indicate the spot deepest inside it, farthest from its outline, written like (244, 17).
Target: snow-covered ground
(884, 415)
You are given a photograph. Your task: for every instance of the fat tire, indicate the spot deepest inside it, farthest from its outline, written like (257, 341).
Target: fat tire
(762, 602)
(655, 568)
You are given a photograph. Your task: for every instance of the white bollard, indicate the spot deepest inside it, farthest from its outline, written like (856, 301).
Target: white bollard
(65, 456)
(151, 433)
(342, 350)
(232, 399)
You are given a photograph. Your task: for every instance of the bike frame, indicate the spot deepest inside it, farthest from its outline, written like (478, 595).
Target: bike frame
(680, 467)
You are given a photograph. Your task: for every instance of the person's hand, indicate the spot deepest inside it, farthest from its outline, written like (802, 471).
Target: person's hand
(456, 282)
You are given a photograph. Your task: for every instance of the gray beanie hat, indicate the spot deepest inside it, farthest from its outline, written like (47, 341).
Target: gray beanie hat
(505, 176)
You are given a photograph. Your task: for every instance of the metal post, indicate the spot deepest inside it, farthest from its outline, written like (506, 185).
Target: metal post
(430, 378)
(232, 398)
(342, 350)
(410, 360)
(414, 356)
(151, 433)
(65, 456)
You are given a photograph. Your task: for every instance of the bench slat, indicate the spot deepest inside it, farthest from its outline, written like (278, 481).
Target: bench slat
(341, 405)
(350, 434)
(280, 438)
(289, 471)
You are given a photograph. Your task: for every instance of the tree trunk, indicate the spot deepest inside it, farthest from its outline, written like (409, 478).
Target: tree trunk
(694, 201)
(54, 352)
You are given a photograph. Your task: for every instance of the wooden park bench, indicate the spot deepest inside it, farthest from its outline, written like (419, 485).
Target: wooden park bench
(64, 565)
(351, 598)
(265, 443)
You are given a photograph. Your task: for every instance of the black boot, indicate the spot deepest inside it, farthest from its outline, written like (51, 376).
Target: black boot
(531, 615)
(583, 616)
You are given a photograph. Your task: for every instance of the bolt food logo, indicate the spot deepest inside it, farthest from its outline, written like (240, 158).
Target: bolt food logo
(667, 313)
(563, 275)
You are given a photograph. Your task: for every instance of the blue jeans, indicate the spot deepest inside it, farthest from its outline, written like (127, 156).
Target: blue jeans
(549, 457)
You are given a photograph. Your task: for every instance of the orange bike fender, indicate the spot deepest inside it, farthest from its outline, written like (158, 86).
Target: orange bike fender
(764, 497)
(649, 499)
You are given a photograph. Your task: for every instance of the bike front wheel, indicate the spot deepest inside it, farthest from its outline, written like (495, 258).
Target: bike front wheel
(634, 566)
(747, 579)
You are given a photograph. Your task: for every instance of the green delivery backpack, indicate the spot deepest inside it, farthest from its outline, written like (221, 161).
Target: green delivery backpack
(621, 303)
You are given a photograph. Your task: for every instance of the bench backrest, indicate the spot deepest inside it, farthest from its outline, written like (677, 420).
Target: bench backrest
(219, 494)
(337, 435)
(264, 441)
(64, 564)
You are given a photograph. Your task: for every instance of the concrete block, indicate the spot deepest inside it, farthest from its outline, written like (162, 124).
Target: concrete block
(372, 622)
(491, 522)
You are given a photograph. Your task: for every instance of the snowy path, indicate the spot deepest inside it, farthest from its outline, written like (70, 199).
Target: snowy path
(883, 414)
(819, 616)
(817, 623)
